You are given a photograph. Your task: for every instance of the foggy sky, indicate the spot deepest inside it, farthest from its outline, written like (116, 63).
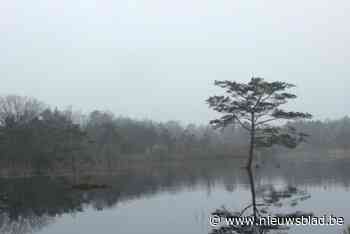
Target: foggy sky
(158, 59)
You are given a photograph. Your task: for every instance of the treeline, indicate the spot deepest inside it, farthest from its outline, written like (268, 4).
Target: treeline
(34, 136)
(37, 138)
(326, 134)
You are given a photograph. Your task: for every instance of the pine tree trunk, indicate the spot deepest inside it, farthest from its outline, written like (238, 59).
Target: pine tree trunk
(252, 143)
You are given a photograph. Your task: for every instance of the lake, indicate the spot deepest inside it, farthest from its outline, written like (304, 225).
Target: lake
(172, 198)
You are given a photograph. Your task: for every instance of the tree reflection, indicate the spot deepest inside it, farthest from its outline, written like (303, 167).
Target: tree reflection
(32, 203)
(264, 203)
(23, 225)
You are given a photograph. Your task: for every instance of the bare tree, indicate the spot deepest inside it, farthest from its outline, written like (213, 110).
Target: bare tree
(18, 109)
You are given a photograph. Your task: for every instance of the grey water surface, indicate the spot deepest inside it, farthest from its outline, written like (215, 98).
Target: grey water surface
(169, 198)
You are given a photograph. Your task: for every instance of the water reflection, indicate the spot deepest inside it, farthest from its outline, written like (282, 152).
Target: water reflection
(30, 204)
(261, 210)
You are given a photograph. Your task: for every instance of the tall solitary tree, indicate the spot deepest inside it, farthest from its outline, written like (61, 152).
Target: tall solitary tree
(254, 105)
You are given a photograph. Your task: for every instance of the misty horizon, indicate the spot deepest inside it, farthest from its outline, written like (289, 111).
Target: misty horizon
(159, 61)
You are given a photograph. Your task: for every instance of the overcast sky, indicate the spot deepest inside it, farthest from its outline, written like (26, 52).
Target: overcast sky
(158, 59)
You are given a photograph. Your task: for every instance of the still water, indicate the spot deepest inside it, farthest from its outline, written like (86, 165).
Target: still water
(170, 199)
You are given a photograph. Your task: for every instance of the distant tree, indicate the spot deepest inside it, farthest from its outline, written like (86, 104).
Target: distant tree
(253, 106)
(98, 118)
(343, 132)
(16, 109)
(33, 136)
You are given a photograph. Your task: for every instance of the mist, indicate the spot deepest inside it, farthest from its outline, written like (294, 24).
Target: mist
(158, 60)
